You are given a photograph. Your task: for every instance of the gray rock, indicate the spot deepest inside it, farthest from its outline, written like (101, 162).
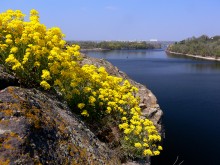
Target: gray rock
(46, 133)
(6, 79)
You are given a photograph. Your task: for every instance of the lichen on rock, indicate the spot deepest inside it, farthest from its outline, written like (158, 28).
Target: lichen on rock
(38, 128)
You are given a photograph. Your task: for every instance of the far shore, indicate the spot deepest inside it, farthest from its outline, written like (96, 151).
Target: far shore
(100, 49)
(196, 56)
(94, 49)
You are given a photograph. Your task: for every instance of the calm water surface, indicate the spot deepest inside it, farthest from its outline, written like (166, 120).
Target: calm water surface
(188, 92)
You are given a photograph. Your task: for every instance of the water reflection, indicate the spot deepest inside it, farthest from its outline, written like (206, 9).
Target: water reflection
(124, 54)
(158, 56)
(198, 64)
(206, 66)
(188, 92)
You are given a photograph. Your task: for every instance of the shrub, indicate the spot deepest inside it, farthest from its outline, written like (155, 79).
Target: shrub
(38, 56)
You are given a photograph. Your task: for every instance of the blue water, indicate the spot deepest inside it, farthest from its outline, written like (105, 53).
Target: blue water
(188, 92)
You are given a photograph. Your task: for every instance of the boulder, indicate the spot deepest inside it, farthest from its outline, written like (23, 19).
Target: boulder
(36, 128)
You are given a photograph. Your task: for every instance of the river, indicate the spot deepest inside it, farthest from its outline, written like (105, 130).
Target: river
(188, 92)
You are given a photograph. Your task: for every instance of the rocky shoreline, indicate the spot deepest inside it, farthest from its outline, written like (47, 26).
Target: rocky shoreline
(195, 56)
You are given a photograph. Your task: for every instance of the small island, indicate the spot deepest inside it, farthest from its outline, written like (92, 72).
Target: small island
(203, 47)
(115, 45)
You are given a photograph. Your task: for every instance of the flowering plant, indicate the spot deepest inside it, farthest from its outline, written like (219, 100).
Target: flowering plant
(39, 56)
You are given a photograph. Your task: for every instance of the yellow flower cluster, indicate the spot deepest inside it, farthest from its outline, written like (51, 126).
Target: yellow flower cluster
(35, 53)
(143, 132)
(39, 56)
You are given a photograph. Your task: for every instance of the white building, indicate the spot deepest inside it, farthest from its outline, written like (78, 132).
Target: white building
(153, 40)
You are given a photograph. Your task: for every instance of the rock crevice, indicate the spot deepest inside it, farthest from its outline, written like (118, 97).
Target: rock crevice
(6, 79)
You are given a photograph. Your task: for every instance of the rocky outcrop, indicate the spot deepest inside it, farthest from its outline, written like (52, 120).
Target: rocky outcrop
(148, 101)
(38, 127)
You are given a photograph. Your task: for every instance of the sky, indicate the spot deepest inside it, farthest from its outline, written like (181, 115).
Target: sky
(164, 20)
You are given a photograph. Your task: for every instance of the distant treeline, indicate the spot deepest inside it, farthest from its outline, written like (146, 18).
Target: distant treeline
(203, 45)
(116, 45)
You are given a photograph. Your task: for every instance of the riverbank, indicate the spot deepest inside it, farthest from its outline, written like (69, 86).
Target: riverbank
(115, 45)
(100, 49)
(195, 56)
(93, 49)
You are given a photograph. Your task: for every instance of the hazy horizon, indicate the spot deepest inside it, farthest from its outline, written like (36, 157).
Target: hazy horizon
(126, 19)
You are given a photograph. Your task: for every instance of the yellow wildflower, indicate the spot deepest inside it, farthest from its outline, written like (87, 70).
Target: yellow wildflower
(45, 75)
(85, 113)
(92, 100)
(108, 110)
(127, 131)
(126, 138)
(124, 118)
(148, 152)
(37, 64)
(160, 148)
(138, 145)
(17, 66)
(81, 105)
(8, 41)
(14, 50)
(156, 152)
(45, 85)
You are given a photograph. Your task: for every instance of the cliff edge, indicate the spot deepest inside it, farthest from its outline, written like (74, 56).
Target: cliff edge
(37, 127)
(148, 101)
